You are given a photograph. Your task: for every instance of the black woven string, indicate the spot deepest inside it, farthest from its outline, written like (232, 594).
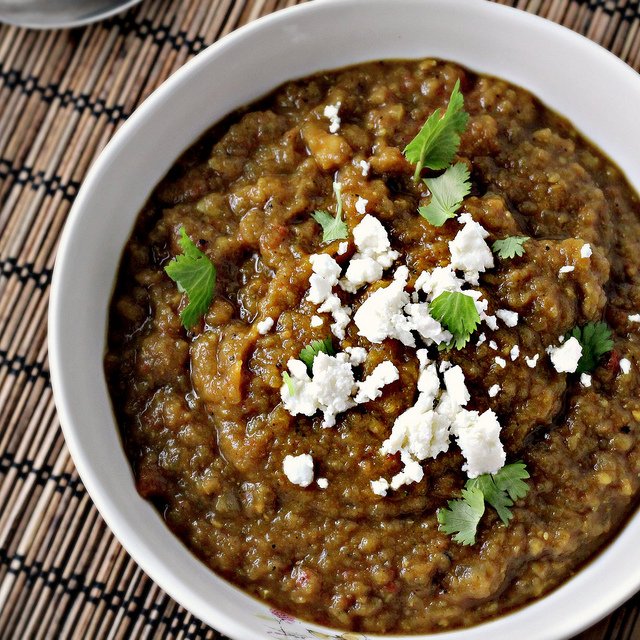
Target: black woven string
(25, 272)
(18, 364)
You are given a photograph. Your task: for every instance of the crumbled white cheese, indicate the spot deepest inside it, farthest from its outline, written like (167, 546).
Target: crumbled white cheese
(323, 483)
(469, 251)
(455, 385)
(333, 384)
(585, 251)
(585, 380)
(329, 390)
(298, 400)
(634, 317)
(531, 362)
(380, 487)
(372, 240)
(264, 326)
(510, 318)
(331, 112)
(299, 469)
(361, 205)
(316, 321)
(361, 270)
(481, 338)
(365, 166)
(326, 272)
(481, 306)
(423, 431)
(380, 316)
(494, 390)
(343, 247)
(565, 358)
(493, 345)
(566, 269)
(341, 315)
(444, 365)
(625, 365)
(479, 440)
(435, 282)
(357, 355)
(373, 256)
(429, 329)
(419, 432)
(371, 387)
(515, 352)
(501, 362)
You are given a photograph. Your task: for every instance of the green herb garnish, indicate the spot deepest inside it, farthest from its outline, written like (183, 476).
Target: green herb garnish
(194, 274)
(437, 142)
(510, 247)
(500, 490)
(447, 193)
(457, 312)
(462, 517)
(332, 228)
(595, 339)
(287, 380)
(309, 353)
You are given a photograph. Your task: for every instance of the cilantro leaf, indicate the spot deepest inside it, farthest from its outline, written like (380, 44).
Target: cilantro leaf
(511, 479)
(595, 338)
(457, 312)
(447, 193)
(500, 490)
(437, 142)
(462, 517)
(332, 228)
(287, 380)
(510, 247)
(194, 273)
(499, 500)
(308, 354)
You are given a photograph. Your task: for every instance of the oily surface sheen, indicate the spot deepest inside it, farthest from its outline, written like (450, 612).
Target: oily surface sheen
(200, 411)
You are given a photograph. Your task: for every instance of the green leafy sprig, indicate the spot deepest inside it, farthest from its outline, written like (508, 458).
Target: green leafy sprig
(332, 228)
(287, 380)
(510, 247)
(436, 144)
(457, 312)
(194, 274)
(309, 353)
(500, 490)
(595, 339)
(447, 193)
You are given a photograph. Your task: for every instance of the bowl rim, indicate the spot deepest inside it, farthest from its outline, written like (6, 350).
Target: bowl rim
(46, 21)
(58, 318)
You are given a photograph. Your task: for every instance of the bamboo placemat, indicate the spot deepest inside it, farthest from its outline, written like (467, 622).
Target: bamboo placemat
(63, 94)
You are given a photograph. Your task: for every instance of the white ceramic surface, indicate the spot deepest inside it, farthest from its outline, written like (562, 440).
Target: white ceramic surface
(594, 89)
(59, 14)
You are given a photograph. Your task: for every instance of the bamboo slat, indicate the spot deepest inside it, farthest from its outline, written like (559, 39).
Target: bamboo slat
(63, 94)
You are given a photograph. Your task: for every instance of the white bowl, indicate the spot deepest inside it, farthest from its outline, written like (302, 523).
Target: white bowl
(573, 76)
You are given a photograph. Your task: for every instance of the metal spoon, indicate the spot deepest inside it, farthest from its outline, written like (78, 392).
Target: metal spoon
(59, 14)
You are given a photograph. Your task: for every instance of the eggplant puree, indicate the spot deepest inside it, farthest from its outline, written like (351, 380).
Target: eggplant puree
(200, 411)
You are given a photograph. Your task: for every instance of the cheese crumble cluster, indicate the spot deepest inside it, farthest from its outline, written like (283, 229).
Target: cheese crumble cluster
(424, 430)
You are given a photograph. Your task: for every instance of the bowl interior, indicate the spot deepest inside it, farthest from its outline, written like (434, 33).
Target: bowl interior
(570, 74)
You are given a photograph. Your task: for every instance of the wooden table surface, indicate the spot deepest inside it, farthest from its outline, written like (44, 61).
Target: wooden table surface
(63, 94)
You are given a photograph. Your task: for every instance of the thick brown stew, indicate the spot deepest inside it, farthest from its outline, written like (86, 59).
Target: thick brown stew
(200, 411)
